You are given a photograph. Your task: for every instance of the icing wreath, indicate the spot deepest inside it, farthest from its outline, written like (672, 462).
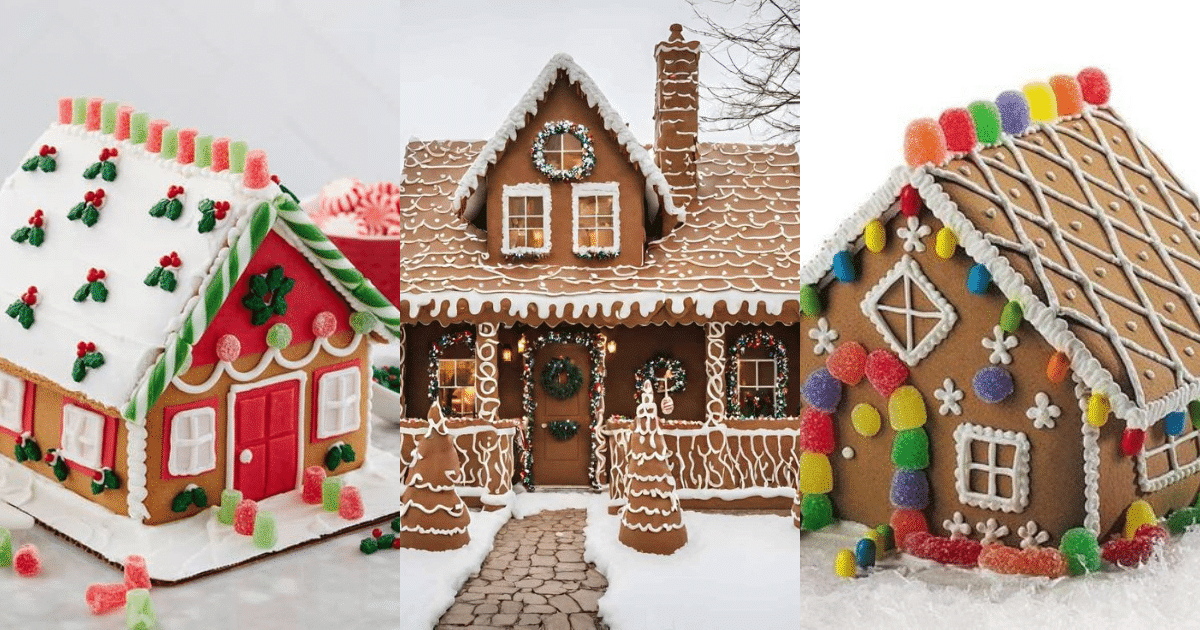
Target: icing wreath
(553, 381)
(581, 133)
(660, 363)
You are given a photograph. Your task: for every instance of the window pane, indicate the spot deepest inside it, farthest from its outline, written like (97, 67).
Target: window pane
(746, 373)
(569, 142)
(535, 238)
(466, 373)
(604, 205)
(766, 373)
(446, 372)
(605, 238)
(533, 206)
(555, 142)
(1004, 486)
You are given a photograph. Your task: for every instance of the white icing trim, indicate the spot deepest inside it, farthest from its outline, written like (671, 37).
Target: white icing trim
(272, 355)
(203, 422)
(301, 424)
(1175, 473)
(587, 189)
(949, 395)
(909, 270)
(135, 470)
(352, 400)
(823, 337)
(714, 369)
(525, 190)
(967, 433)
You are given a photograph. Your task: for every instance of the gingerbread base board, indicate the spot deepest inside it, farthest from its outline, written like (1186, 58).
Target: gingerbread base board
(197, 546)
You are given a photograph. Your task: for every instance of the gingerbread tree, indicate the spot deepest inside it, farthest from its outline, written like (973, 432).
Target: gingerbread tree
(651, 520)
(432, 516)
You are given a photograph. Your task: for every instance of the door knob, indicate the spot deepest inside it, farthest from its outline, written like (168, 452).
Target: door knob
(246, 456)
(543, 425)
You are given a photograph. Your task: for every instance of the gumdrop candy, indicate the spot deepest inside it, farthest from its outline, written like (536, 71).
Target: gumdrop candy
(1137, 514)
(331, 493)
(265, 531)
(1042, 105)
(887, 537)
(1082, 551)
(816, 475)
(27, 562)
(865, 553)
(910, 201)
(875, 236)
(324, 324)
(946, 243)
(1014, 111)
(817, 511)
(139, 611)
(905, 522)
(993, 384)
(1094, 86)
(962, 552)
(1098, 408)
(910, 490)
(229, 348)
(866, 420)
(810, 301)
(1037, 561)
(1067, 94)
(314, 477)
(910, 449)
(822, 390)
(986, 117)
(1178, 521)
(1154, 532)
(1058, 367)
(243, 517)
(848, 362)
(136, 573)
(885, 371)
(279, 336)
(906, 409)
(924, 142)
(959, 129)
(104, 598)
(844, 565)
(1174, 423)
(1011, 316)
(1132, 441)
(6, 550)
(979, 279)
(816, 431)
(229, 502)
(843, 267)
(350, 504)
(1127, 552)
(257, 174)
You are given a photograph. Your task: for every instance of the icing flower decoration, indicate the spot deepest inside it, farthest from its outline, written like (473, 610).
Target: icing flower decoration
(22, 309)
(212, 212)
(163, 275)
(105, 167)
(34, 231)
(88, 211)
(268, 295)
(170, 206)
(44, 160)
(86, 358)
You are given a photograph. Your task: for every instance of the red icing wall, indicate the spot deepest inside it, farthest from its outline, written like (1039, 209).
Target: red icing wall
(310, 295)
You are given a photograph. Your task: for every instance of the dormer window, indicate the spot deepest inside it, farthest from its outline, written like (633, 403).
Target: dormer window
(526, 221)
(596, 210)
(564, 151)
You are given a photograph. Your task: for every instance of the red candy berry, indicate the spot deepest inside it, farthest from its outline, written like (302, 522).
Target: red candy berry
(44, 150)
(910, 201)
(376, 532)
(395, 543)
(174, 260)
(275, 178)
(52, 150)
(164, 261)
(91, 347)
(89, 196)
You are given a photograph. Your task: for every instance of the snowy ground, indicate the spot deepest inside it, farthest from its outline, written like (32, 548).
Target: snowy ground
(758, 571)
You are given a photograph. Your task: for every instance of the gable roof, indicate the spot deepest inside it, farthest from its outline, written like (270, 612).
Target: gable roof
(658, 193)
(144, 333)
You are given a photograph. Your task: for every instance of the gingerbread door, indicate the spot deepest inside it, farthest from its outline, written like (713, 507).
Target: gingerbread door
(558, 461)
(266, 421)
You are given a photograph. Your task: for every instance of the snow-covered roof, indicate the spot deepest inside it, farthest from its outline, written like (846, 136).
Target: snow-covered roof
(136, 322)
(658, 193)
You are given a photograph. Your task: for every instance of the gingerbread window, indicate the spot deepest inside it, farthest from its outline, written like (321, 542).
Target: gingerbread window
(456, 386)
(908, 311)
(596, 210)
(526, 222)
(1166, 459)
(13, 419)
(757, 377)
(88, 438)
(993, 468)
(192, 439)
(338, 402)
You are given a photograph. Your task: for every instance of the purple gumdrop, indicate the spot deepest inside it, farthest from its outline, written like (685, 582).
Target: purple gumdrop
(993, 384)
(1014, 111)
(910, 490)
(823, 391)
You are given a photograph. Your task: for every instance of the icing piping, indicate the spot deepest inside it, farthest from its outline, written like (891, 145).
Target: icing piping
(272, 355)
(967, 433)
(487, 399)
(908, 270)
(714, 369)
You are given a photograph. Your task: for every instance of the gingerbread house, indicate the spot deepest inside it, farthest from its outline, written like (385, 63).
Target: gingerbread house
(176, 325)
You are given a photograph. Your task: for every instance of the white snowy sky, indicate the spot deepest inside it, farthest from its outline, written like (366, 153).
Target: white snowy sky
(332, 89)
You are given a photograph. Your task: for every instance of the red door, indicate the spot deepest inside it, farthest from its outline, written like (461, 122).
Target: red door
(266, 421)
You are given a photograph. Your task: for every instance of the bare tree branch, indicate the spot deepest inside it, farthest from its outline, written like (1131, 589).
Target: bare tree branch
(763, 58)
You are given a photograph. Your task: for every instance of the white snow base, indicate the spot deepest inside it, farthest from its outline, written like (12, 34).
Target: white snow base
(199, 544)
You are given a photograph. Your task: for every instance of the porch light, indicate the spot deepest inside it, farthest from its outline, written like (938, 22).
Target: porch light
(521, 344)
(506, 353)
(612, 346)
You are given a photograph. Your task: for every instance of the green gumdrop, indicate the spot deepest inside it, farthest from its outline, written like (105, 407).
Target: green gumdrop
(79, 111)
(139, 127)
(986, 117)
(817, 510)
(279, 336)
(139, 611)
(810, 300)
(910, 449)
(6, 552)
(331, 493)
(1180, 520)
(229, 502)
(368, 546)
(887, 537)
(1011, 316)
(203, 151)
(108, 117)
(1081, 550)
(237, 156)
(396, 523)
(363, 322)
(170, 142)
(265, 534)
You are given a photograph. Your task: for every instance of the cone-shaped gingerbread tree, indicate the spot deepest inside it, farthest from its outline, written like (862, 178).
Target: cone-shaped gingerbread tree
(651, 520)
(432, 517)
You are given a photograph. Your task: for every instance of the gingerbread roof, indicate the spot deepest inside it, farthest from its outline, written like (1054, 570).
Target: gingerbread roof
(143, 332)
(737, 254)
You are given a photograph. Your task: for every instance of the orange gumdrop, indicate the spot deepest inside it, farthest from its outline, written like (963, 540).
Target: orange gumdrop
(1058, 367)
(1067, 93)
(924, 142)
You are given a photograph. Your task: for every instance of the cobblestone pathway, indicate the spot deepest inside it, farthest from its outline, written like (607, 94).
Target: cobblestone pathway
(534, 578)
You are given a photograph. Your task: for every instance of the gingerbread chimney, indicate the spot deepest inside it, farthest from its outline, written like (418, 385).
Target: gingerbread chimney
(676, 120)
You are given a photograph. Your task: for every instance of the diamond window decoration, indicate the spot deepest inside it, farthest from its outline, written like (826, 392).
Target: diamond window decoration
(908, 311)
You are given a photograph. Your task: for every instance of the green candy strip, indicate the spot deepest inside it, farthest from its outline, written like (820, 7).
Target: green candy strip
(203, 151)
(237, 156)
(139, 127)
(170, 143)
(108, 117)
(79, 112)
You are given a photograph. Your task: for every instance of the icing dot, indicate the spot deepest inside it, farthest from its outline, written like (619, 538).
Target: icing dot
(999, 156)
(1101, 272)
(1114, 205)
(1190, 351)
(1076, 225)
(1142, 255)
(1040, 242)
(1169, 307)
(1175, 239)
(1016, 194)
(1132, 326)
(1051, 176)
(1116, 139)
(847, 453)
(1078, 126)
(1196, 216)
(965, 170)
(1070, 293)
(990, 212)
(1141, 188)
(1087, 158)
(1149, 374)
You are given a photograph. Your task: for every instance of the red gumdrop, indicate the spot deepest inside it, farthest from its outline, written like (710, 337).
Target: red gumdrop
(960, 552)
(27, 562)
(324, 324)
(103, 598)
(1127, 552)
(1132, 442)
(1155, 533)
(243, 517)
(905, 522)
(924, 142)
(910, 201)
(959, 129)
(396, 542)
(885, 371)
(136, 573)
(1044, 561)
(314, 477)
(256, 174)
(1094, 86)
(229, 348)
(848, 362)
(816, 431)
(350, 504)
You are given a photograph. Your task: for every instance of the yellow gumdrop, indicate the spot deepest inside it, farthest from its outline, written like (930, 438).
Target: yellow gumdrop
(816, 475)
(844, 564)
(865, 418)
(875, 236)
(947, 241)
(1139, 513)
(1098, 408)
(1043, 107)
(906, 409)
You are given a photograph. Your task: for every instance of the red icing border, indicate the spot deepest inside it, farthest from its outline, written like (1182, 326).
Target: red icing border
(316, 398)
(169, 414)
(108, 447)
(26, 413)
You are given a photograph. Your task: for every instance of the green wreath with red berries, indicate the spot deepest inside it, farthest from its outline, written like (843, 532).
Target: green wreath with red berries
(561, 378)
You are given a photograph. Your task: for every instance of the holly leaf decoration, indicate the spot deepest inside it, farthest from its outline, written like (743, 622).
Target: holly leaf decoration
(77, 211)
(32, 163)
(167, 281)
(174, 208)
(90, 216)
(279, 306)
(99, 291)
(252, 301)
(19, 454)
(207, 205)
(181, 502)
(33, 452)
(108, 171)
(153, 276)
(21, 312)
(260, 316)
(111, 480)
(83, 292)
(160, 208)
(78, 371)
(333, 458)
(348, 454)
(14, 308)
(37, 236)
(199, 497)
(97, 487)
(60, 469)
(275, 276)
(93, 360)
(258, 285)
(207, 223)
(92, 171)
(22, 234)
(48, 164)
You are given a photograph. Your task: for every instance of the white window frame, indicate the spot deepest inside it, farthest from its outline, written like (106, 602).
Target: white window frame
(910, 350)
(455, 385)
(596, 189)
(339, 397)
(197, 453)
(1174, 472)
(526, 190)
(82, 439)
(968, 433)
(12, 403)
(562, 152)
